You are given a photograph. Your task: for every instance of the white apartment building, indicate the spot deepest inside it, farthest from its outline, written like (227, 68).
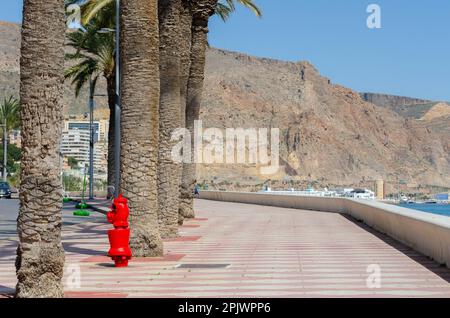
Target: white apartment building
(75, 143)
(101, 128)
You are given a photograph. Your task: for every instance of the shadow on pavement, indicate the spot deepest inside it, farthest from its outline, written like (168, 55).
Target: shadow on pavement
(6, 292)
(106, 264)
(68, 247)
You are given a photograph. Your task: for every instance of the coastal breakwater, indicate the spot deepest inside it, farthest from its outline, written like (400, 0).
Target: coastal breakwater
(426, 233)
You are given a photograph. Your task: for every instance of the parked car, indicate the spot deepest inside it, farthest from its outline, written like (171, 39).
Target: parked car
(5, 190)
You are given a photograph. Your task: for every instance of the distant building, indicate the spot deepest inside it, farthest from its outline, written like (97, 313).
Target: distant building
(380, 192)
(442, 196)
(75, 143)
(101, 128)
(101, 156)
(15, 138)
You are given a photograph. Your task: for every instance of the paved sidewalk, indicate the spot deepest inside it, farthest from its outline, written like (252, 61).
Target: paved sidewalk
(270, 252)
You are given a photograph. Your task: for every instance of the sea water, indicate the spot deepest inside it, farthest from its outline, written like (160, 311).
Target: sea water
(441, 209)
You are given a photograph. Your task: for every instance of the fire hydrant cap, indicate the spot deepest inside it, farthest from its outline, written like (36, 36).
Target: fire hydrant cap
(121, 199)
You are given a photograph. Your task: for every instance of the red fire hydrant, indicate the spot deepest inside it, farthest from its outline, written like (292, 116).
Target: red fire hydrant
(119, 237)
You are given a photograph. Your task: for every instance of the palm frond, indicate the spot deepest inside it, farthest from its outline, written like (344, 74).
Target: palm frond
(95, 8)
(252, 6)
(226, 7)
(94, 54)
(223, 11)
(81, 73)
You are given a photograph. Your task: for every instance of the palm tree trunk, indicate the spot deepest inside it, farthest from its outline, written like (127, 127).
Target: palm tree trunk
(111, 90)
(40, 255)
(169, 172)
(202, 10)
(139, 125)
(185, 52)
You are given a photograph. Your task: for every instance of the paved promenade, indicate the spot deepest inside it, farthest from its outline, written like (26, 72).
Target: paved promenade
(266, 252)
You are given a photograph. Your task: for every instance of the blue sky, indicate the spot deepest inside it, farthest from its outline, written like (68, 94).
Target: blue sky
(409, 55)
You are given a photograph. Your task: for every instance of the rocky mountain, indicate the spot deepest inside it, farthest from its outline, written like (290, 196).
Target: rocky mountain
(439, 110)
(392, 101)
(9, 72)
(330, 135)
(404, 106)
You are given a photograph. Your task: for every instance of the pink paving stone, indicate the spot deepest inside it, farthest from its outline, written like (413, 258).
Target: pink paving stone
(86, 294)
(190, 225)
(198, 219)
(273, 252)
(183, 239)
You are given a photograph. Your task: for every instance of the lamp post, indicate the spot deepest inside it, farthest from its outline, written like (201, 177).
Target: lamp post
(117, 108)
(91, 140)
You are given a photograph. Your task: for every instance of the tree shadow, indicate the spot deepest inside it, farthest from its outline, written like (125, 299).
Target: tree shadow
(438, 269)
(106, 264)
(91, 230)
(8, 232)
(68, 247)
(8, 250)
(7, 292)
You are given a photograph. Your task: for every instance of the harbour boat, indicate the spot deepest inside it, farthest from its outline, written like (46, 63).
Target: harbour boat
(404, 200)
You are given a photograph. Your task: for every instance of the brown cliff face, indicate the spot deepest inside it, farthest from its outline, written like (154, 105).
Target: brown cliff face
(391, 101)
(329, 134)
(408, 107)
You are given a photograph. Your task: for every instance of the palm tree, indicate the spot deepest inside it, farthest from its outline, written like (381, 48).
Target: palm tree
(40, 254)
(94, 57)
(140, 86)
(185, 59)
(10, 113)
(9, 119)
(201, 11)
(104, 8)
(169, 172)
